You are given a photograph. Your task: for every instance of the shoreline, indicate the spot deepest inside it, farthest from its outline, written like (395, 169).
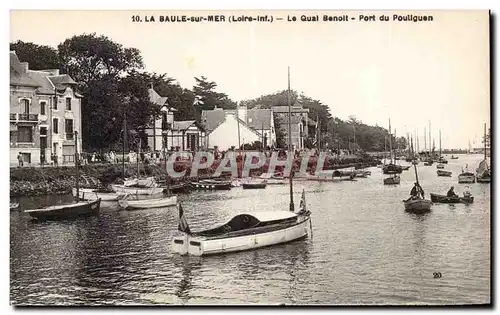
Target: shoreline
(39, 181)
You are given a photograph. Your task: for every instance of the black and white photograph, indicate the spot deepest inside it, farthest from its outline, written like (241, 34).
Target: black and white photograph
(250, 157)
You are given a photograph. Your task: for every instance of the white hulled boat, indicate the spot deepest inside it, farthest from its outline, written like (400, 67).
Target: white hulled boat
(247, 231)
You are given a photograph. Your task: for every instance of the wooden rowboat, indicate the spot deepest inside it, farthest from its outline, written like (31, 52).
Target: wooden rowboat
(445, 199)
(147, 203)
(443, 173)
(84, 208)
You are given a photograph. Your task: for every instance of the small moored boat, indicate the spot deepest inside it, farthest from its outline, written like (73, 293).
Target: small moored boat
(244, 232)
(211, 185)
(454, 157)
(84, 208)
(444, 173)
(147, 203)
(254, 185)
(417, 205)
(137, 191)
(439, 166)
(94, 194)
(466, 178)
(273, 179)
(393, 180)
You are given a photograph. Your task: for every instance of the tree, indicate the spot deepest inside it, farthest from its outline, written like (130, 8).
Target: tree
(205, 90)
(104, 71)
(39, 57)
(280, 134)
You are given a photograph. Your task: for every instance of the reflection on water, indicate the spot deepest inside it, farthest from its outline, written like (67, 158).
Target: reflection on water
(365, 250)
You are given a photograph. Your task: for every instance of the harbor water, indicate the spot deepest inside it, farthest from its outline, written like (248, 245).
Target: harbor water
(365, 249)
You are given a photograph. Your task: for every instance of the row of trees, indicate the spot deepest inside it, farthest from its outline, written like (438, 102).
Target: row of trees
(115, 85)
(334, 132)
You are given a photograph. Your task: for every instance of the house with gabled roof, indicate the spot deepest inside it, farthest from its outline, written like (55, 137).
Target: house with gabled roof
(45, 110)
(257, 125)
(173, 135)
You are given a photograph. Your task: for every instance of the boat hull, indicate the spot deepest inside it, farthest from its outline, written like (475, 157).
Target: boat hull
(417, 205)
(137, 191)
(392, 181)
(200, 246)
(483, 179)
(445, 199)
(91, 194)
(147, 203)
(443, 173)
(254, 186)
(67, 211)
(210, 186)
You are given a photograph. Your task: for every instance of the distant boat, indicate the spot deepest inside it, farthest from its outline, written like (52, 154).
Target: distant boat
(255, 184)
(393, 180)
(444, 173)
(211, 185)
(273, 179)
(148, 203)
(466, 177)
(483, 172)
(439, 166)
(454, 157)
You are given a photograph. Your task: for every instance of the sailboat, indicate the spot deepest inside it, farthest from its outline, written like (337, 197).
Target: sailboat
(394, 179)
(466, 177)
(417, 204)
(248, 231)
(391, 168)
(483, 172)
(440, 164)
(131, 186)
(83, 208)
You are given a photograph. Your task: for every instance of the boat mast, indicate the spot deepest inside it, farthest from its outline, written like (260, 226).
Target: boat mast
(390, 140)
(292, 208)
(385, 149)
(123, 149)
(77, 162)
(138, 156)
(440, 143)
(238, 122)
(430, 146)
(425, 140)
(485, 141)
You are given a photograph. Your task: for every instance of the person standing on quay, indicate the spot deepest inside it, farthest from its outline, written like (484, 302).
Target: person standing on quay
(20, 159)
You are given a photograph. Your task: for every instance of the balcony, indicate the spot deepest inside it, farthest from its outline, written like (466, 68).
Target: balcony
(25, 117)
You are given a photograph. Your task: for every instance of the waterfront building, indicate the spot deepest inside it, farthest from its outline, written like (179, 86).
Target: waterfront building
(256, 124)
(173, 135)
(301, 124)
(45, 110)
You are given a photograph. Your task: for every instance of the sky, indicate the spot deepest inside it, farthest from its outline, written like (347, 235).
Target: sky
(413, 73)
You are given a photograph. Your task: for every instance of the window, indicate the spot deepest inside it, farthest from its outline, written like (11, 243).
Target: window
(55, 102)
(25, 106)
(55, 125)
(24, 134)
(42, 108)
(68, 128)
(68, 103)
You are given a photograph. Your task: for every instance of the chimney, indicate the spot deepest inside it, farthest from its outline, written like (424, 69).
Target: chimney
(25, 66)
